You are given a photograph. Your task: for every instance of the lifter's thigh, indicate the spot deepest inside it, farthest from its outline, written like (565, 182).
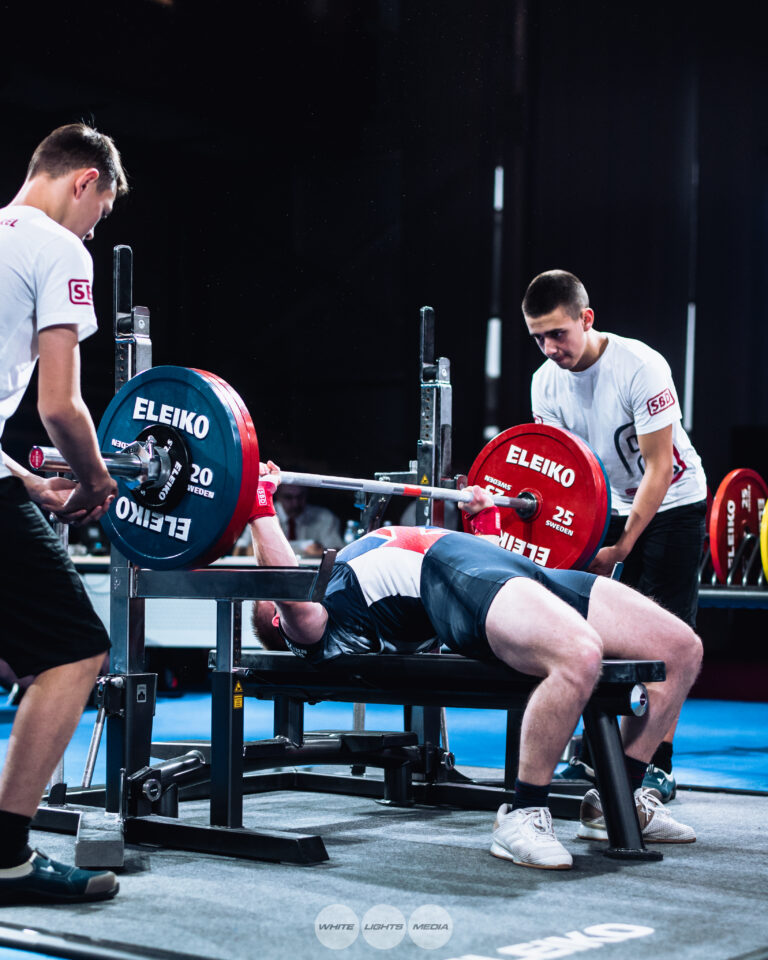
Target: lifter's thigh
(534, 631)
(633, 627)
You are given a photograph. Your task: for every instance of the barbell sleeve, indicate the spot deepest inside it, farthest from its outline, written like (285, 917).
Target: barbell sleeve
(126, 464)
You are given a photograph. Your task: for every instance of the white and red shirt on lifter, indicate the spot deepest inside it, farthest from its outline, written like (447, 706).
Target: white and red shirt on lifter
(374, 590)
(626, 393)
(45, 280)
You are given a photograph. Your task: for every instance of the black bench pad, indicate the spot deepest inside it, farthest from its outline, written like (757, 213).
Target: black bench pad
(421, 679)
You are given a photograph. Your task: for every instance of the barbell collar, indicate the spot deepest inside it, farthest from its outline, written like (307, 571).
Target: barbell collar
(141, 462)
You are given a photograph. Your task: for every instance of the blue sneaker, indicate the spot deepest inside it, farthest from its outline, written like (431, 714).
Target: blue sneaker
(576, 770)
(42, 880)
(664, 783)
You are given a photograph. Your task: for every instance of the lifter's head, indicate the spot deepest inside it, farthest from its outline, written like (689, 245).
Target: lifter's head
(74, 176)
(559, 318)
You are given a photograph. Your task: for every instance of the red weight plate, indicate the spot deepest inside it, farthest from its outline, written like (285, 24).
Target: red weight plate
(241, 412)
(248, 422)
(250, 476)
(736, 510)
(603, 488)
(567, 479)
(251, 460)
(224, 544)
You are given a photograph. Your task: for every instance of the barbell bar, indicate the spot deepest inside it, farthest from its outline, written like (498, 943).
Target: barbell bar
(525, 505)
(182, 445)
(148, 469)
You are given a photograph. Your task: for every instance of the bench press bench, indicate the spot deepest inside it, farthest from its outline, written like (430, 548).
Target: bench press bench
(141, 799)
(416, 769)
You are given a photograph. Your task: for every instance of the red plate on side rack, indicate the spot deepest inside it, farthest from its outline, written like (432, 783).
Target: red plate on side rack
(737, 510)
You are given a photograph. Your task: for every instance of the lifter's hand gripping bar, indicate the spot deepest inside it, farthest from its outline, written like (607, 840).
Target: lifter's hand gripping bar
(144, 463)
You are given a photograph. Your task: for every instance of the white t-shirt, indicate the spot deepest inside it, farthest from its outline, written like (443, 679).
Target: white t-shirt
(626, 393)
(46, 275)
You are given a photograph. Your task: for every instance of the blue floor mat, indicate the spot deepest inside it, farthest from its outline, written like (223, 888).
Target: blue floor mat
(8, 953)
(718, 743)
(723, 744)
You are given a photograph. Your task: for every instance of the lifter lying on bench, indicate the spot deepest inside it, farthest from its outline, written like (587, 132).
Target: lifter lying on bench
(404, 589)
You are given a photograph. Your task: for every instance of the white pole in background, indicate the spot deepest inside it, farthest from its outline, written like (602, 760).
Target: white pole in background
(493, 333)
(690, 361)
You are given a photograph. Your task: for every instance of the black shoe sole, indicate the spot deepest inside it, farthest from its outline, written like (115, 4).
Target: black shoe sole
(32, 897)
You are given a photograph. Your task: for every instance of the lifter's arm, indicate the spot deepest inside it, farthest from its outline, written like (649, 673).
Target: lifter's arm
(302, 621)
(305, 622)
(485, 517)
(658, 454)
(69, 424)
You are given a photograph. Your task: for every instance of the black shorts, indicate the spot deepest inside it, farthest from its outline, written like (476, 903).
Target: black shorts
(47, 618)
(461, 575)
(664, 563)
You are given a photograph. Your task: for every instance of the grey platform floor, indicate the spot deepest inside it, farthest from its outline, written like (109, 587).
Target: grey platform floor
(704, 901)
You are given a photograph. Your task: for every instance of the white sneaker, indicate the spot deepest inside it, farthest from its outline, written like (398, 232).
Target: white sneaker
(526, 837)
(656, 824)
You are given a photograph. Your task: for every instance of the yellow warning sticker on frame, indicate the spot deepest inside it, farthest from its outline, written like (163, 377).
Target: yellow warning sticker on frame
(238, 687)
(237, 703)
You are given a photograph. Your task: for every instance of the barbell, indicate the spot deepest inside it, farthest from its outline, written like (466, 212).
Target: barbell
(182, 446)
(150, 466)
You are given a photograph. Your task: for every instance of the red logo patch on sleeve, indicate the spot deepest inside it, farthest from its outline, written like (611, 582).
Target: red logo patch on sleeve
(660, 402)
(80, 292)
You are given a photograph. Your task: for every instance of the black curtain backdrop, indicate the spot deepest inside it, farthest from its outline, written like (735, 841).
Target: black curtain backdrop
(307, 174)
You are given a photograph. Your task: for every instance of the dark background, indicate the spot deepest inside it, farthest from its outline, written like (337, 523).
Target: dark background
(306, 174)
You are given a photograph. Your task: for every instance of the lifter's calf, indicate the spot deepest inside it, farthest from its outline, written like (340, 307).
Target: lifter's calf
(633, 627)
(555, 706)
(682, 658)
(44, 724)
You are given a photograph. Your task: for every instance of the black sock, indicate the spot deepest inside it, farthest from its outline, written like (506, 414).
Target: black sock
(14, 837)
(529, 795)
(663, 757)
(635, 771)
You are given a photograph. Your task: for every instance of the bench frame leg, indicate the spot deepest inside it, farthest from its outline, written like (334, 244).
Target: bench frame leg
(625, 840)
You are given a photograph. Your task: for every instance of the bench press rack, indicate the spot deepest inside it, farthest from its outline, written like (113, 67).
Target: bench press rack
(140, 801)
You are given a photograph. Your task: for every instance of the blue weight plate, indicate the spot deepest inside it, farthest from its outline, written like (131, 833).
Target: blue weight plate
(604, 534)
(185, 400)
